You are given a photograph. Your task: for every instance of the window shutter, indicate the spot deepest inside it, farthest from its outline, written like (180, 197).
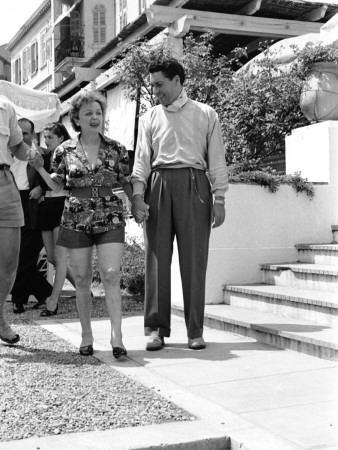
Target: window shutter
(24, 65)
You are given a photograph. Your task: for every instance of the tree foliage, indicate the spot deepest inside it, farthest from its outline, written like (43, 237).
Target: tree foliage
(255, 112)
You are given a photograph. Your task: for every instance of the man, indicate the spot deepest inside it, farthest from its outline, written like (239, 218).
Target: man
(29, 280)
(11, 214)
(179, 140)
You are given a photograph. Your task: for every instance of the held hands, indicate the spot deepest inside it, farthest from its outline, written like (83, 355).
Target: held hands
(217, 215)
(139, 209)
(34, 158)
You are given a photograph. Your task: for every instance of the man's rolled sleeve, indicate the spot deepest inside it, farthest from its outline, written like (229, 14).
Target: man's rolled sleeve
(216, 157)
(142, 165)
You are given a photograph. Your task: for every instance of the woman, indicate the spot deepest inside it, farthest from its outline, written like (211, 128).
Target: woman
(49, 219)
(91, 165)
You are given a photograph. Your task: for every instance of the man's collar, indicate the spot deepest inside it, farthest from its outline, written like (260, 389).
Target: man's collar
(177, 104)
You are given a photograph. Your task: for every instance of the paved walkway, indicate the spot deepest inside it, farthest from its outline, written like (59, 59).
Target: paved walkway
(262, 397)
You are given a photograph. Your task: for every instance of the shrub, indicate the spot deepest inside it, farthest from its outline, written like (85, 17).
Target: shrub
(272, 181)
(132, 270)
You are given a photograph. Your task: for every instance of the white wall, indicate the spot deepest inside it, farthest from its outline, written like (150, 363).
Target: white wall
(261, 227)
(120, 115)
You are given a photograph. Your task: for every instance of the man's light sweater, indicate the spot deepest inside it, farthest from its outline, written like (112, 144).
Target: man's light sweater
(184, 134)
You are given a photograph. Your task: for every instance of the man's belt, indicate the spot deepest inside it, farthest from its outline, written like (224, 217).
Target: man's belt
(91, 192)
(4, 166)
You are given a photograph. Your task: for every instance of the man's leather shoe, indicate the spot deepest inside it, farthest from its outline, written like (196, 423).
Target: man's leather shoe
(196, 344)
(18, 309)
(155, 342)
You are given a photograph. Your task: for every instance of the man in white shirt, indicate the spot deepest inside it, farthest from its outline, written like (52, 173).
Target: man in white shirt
(179, 141)
(29, 280)
(11, 214)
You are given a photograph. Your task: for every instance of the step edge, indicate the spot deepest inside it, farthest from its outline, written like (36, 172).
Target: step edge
(282, 267)
(280, 296)
(271, 329)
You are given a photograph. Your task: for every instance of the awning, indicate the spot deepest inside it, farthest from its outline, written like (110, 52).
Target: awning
(38, 106)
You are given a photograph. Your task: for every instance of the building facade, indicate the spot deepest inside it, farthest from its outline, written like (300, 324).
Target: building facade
(67, 45)
(5, 63)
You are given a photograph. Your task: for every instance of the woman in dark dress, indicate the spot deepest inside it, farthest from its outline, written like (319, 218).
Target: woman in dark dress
(49, 219)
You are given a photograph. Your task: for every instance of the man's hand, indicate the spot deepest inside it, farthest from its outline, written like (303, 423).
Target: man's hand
(34, 158)
(218, 215)
(35, 193)
(139, 209)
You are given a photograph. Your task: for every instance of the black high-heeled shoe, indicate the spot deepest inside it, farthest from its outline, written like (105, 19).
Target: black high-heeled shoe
(48, 312)
(119, 351)
(86, 350)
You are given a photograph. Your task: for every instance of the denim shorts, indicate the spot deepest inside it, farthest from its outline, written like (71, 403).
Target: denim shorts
(77, 239)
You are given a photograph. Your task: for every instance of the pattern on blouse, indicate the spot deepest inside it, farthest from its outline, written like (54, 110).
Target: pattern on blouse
(70, 167)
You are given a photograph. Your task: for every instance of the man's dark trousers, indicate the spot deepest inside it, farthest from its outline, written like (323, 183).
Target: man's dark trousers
(29, 281)
(180, 204)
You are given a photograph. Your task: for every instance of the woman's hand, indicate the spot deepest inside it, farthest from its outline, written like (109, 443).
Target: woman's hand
(35, 193)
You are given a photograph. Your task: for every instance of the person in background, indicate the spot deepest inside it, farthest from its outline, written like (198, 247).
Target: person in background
(49, 219)
(11, 214)
(29, 280)
(179, 140)
(91, 165)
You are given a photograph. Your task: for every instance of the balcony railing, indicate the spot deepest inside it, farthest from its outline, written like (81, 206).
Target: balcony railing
(72, 46)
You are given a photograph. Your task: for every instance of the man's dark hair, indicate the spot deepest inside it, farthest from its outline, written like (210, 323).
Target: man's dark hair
(169, 67)
(24, 119)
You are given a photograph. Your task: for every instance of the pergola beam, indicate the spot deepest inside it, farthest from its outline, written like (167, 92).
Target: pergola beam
(165, 16)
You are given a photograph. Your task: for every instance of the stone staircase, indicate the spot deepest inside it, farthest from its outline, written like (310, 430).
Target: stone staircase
(296, 306)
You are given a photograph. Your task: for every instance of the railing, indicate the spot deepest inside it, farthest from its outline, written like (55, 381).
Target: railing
(72, 46)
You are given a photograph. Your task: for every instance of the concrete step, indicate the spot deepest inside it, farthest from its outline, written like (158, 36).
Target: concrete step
(321, 277)
(279, 331)
(318, 253)
(317, 307)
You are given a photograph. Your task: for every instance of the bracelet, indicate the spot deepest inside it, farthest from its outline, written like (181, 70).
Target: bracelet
(135, 195)
(220, 202)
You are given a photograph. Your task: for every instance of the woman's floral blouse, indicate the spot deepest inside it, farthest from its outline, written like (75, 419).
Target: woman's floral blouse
(70, 167)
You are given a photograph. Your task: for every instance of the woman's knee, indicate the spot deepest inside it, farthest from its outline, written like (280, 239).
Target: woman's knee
(110, 276)
(84, 279)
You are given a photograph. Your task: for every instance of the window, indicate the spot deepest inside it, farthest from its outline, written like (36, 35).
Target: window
(43, 47)
(34, 57)
(75, 23)
(99, 24)
(123, 14)
(17, 71)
